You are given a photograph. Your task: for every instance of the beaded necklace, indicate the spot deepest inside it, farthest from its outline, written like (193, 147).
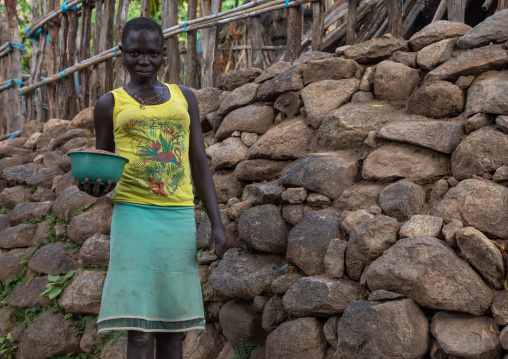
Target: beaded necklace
(143, 103)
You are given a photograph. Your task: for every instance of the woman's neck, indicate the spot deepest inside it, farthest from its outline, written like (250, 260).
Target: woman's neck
(153, 82)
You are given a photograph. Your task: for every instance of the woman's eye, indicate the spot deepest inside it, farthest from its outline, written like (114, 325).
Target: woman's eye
(133, 53)
(154, 54)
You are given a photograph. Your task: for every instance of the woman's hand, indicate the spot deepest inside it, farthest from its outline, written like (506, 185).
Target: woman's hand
(96, 189)
(219, 243)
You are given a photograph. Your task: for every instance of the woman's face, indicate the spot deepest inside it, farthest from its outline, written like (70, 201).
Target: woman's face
(143, 54)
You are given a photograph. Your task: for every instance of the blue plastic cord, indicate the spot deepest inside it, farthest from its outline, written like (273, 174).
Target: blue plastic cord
(116, 47)
(65, 8)
(34, 35)
(13, 80)
(18, 46)
(76, 82)
(7, 48)
(20, 90)
(47, 38)
(184, 26)
(287, 4)
(14, 134)
(61, 73)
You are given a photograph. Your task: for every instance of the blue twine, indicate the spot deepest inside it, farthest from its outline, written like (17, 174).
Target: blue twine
(20, 90)
(76, 82)
(13, 80)
(116, 47)
(48, 38)
(184, 26)
(61, 73)
(287, 4)
(7, 48)
(18, 46)
(14, 134)
(65, 8)
(34, 35)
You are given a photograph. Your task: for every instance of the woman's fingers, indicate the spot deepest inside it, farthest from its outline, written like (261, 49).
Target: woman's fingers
(105, 190)
(86, 186)
(96, 187)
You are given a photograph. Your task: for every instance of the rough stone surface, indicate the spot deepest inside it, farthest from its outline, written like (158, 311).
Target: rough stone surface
(83, 292)
(240, 323)
(234, 79)
(288, 140)
(288, 103)
(253, 118)
(289, 80)
(84, 119)
(492, 29)
(12, 196)
(482, 151)
(318, 297)
(95, 250)
(500, 307)
(395, 329)
(69, 201)
(330, 331)
(438, 99)
(263, 229)
(333, 68)
(437, 31)
(450, 230)
(335, 258)
(431, 56)
(232, 152)
(486, 94)
(42, 195)
(322, 97)
(241, 96)
(20, 174)
(281, 284)
(269, 73)
(326, 173)
(293, 213)
(402, 199)
(90, 339)
(244, 275)
(377, 49)
(295, 195)
(368, 241)
(322, 227)
(466, 336)
(359, 196)
(249, 138)
(354, 219)
(273, 313)
(53, 259)
(425, 270)
(406, 58)
(482, 254)
(26, 295)
(204, 230)
(28, 210)
(394, 161)
(10, 262)
(263, 194)
(501, 174)
(317, 200)
(384, 295)
(259, 170)
(394, 81)
(422, 225)
(96, 220)
(226, 187)
(18, 236)
(297, 339)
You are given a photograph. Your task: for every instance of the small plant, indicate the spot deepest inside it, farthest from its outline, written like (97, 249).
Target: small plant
(200, 253)
(78, 356)
(7, 347)
(106, 342)
(56, 284)
(97, 267)
(13, 282)
(71, 244)
(243, 350)
(5, 209)
(32, 189)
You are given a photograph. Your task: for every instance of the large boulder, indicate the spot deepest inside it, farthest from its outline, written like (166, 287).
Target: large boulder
(372, 51)
(20, 174)
(309, 240)
(244, 275)
(26, 294)
(318, 297)
(226, 187)
(393, 329)
(234, 79)
(431, 56)
(289, 80)
(438, 99)
(427, 271)
(333, 68)
(53, 258)
(258, 193)
(19, 236)
(10, 262)
(95, 251)
(441, 136)
(83, 293)
(69, 201)
(95, 220)
(84, 119)
(492, 29)
(241, 96)
(484, 150)
(402, 199)
(472, 62)
(240, 324)
(437, 31)
(394, 81)
(28, 210)
(466, 336)
(393, 161)
(255, 118)
(322, 97)
(359, 196)
(297, 339)
(232, 152)
(259, 170)
(12, 196)
(272, 71)
(263, 229)
(326, 173)
(486, 94)
(368, 241)
(208, 101)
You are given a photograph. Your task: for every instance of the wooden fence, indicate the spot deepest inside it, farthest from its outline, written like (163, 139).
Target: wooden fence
(65, 77)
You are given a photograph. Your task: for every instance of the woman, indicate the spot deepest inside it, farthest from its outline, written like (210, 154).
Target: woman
(152, 288)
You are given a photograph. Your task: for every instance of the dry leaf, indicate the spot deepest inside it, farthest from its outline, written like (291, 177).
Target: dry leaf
(491, 328)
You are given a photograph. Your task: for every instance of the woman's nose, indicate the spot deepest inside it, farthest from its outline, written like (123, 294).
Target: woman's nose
(143, 60)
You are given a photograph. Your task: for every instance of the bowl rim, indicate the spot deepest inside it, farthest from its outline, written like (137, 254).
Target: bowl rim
(99, 153)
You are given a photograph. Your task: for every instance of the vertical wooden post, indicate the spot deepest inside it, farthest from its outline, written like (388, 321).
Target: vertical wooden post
(395, 17)
(502, 4)
(294, 37)
(33, 99)
(210, 71)
(169, 19)
(70, 81)
(94, 79)
(145, 8)
(257, 42)
(456, 10)
(190, 59)
(318, 25)
(107, 38)
(61, 100)
(86, 33)
(120, 75)
(352, 7)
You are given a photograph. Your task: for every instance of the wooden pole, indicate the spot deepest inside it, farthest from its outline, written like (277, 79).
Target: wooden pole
(86, 34)
(120, 75)
(318, 25)
(169, 19)
(456, 10)
(105, 70)
(352, 7)
(441, 9)
(294, 37)
(145, 8)
(94, 79)
(502, 4)
(257, 42)
(190, 59)
(395, 17)
(210, 71)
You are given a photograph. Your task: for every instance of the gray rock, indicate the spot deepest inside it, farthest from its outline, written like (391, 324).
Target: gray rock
(330, 331)
(372, 51)
(116, 350)
(36, 344)
(464, 82)
(482, 151)
(368, 241)
(83, 293)
(402, 199)
(320, 98)
(208, 101)
(4, 222)
(312, 55)
(42, 195)
(232, 152)
(394, 81)
(292, 213)
(70, 134)
(501, 174)
(502, 123)
(26, 294)
(64, 162)
(95, 251)
(20, 174)
(226, 187)
(44, 177)
(384, 295)
(28, 210)
(263, 229)
(373, 330)
(317, 200)
(465, 335)
(359, 196)
(332, 68)
(294, 195)
(204, 230)
(234, 79)
(326, 173)
(285, 342)
(471, 62)
(259, 170)
(503, 338)
(90, 339)
(349, 125)
(281, 284)
(51, 132)
(12, 150)
(255, 118)
(322, 227)
(69, 201)
(12, 196)
(438, 99)
(362, 96)
(244, 275)
(394, 161)
(288, 140)
(354, 219)
(53, 259)
(241, 96)
(240, 323)
(65, 181)
(406, 58)
(289, 80)
(75, 143)
(450, 230)
(19, 236)
(210, 343)
(422, 225)
(425, 270)
(437, 53)
(272, 71)
(335, 258)
(486, 94)
(97, 219)
(318, 297)
(10, 262)
(259, 194)
(482, 254)
(492, 29)
(288, 103)
(500, 307)
(273, 313)
(437, 31)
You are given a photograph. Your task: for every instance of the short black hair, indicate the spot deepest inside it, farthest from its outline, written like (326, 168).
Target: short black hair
(141, 23)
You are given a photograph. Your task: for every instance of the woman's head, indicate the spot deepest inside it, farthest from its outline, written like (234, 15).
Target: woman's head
(142, 48)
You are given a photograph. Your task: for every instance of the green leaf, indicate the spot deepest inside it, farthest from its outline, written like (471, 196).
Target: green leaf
(506, 284)
(54, 292)
(52, 278)
(9, 337)
(69, 275)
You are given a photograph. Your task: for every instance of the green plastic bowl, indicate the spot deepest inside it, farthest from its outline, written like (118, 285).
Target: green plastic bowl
(94, 165)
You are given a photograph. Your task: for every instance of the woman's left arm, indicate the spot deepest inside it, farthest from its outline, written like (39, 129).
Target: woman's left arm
(202, 177)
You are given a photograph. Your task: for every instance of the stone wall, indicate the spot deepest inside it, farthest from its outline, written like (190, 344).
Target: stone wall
(364, 194)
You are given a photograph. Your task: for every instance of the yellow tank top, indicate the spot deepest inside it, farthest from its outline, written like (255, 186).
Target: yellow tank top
(156, 142)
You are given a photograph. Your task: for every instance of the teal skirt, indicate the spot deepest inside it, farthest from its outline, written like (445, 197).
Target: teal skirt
(152, 283)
